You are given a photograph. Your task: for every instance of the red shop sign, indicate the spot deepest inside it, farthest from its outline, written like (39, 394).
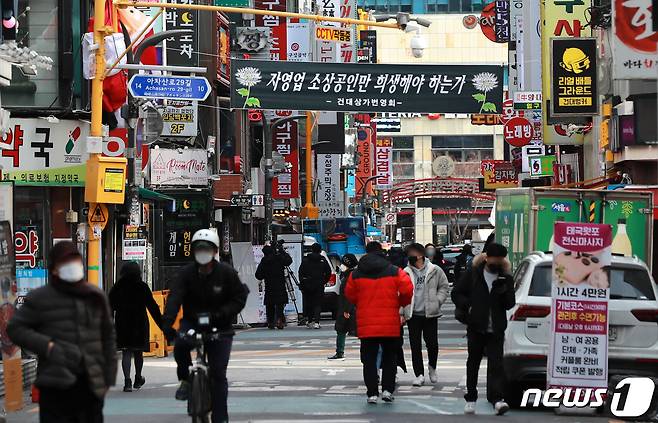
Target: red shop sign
(518, 131)
(633, 25)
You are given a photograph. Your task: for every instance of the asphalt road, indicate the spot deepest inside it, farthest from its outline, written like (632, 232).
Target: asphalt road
(284, 376)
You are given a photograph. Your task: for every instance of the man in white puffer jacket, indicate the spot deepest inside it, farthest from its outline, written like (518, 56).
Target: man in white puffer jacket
(430, 292)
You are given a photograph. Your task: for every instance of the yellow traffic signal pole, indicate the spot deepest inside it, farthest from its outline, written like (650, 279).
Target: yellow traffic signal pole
(96, 129)
(310, 211)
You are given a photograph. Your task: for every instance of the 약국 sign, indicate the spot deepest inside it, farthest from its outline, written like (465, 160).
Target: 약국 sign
(573, 91)
(366, 87)
(578, 353)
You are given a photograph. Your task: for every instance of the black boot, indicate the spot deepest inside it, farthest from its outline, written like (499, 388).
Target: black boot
(128, 385)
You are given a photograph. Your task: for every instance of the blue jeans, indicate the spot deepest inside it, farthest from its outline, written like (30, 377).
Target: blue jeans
(219, 352)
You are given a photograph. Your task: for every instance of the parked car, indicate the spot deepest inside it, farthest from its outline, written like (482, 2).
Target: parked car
(632, 315)
(450, 254)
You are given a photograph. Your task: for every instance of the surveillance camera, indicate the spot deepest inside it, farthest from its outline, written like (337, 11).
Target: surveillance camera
(418, 45)
(402, 20)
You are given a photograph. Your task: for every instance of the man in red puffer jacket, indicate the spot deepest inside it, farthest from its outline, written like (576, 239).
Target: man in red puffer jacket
(378, 289)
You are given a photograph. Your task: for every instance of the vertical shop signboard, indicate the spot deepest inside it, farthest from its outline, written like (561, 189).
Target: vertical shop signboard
(298, 37)
(578, 352)
(11, 353)
(384, 162)
(191, 214)
(634, 41)
(329, 198)
(560, 19)
(284, 142)
(182, 50)
(364, 151)
(277, 25)
(574, 72)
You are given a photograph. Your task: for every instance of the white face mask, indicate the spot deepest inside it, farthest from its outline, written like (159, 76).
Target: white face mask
(71, 272)
(203, 257)
(343, 268)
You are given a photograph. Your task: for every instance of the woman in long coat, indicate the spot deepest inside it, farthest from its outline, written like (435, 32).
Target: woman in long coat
(346, 312)
(130, 297)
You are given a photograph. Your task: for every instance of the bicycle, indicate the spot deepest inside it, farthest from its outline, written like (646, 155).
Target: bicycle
(199, 402)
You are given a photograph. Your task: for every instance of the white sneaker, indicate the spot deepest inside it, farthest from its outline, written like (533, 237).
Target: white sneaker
(372, 400)
(419, 381)
(387, 396)
(501, 408)
(432, 374)
(316, 326)
(469, 408)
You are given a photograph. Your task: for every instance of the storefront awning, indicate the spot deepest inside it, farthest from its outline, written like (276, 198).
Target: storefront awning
(147, 194)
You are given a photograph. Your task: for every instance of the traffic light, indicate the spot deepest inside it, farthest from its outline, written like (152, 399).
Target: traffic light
(9, 19)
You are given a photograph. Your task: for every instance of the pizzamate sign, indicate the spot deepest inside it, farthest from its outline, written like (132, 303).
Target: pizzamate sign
(366, 87)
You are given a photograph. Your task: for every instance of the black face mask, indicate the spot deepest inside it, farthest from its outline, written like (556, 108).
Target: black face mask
(494, 268)
(412, 260)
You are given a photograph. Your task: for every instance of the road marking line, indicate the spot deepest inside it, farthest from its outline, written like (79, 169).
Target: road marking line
(427, 407)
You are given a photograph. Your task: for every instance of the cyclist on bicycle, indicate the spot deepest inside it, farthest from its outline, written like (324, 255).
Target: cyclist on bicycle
(205, 286)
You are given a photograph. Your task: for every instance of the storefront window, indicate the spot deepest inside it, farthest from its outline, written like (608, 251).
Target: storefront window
(38, 30)
(403, 158)
(29, 238)
(466, 151)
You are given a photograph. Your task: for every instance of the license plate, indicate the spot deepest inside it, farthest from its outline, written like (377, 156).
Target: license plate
(612, 334)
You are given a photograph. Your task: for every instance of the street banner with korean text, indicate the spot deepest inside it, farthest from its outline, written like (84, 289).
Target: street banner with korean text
(329, 196)
(634, 41)
(384, 162)
(182, 50)
(578, 352)
(284, 142)
(574, 71)
(179, 167)
(366, 87)
(560, 19)
(277, 25)
(499, 174)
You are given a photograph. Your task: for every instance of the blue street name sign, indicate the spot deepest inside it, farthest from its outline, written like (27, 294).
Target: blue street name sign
(169, 87)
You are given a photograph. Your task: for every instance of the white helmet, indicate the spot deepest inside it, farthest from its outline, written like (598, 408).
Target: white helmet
(207, 235)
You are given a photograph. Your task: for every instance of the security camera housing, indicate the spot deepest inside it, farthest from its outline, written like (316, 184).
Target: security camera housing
(418, 45)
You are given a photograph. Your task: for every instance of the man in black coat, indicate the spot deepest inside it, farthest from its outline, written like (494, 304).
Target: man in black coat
(272, 270)
(482, 298)
(314, 273)
(205, 287)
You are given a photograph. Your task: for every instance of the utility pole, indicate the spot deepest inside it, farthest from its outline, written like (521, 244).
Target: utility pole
(269, 174)
(310, 210)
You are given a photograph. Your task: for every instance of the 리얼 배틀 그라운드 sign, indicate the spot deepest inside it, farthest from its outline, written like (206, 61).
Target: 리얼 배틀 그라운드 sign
(353, 87)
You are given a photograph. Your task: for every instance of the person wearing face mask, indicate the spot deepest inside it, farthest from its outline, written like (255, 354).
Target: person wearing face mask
(482, 298)
(67, 323)
(345, 314)
(422, 315)
(272, 269)
(205, 287)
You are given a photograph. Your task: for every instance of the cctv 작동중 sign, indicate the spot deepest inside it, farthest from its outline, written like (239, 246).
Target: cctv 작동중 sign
(338, 35)
(366, 87)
